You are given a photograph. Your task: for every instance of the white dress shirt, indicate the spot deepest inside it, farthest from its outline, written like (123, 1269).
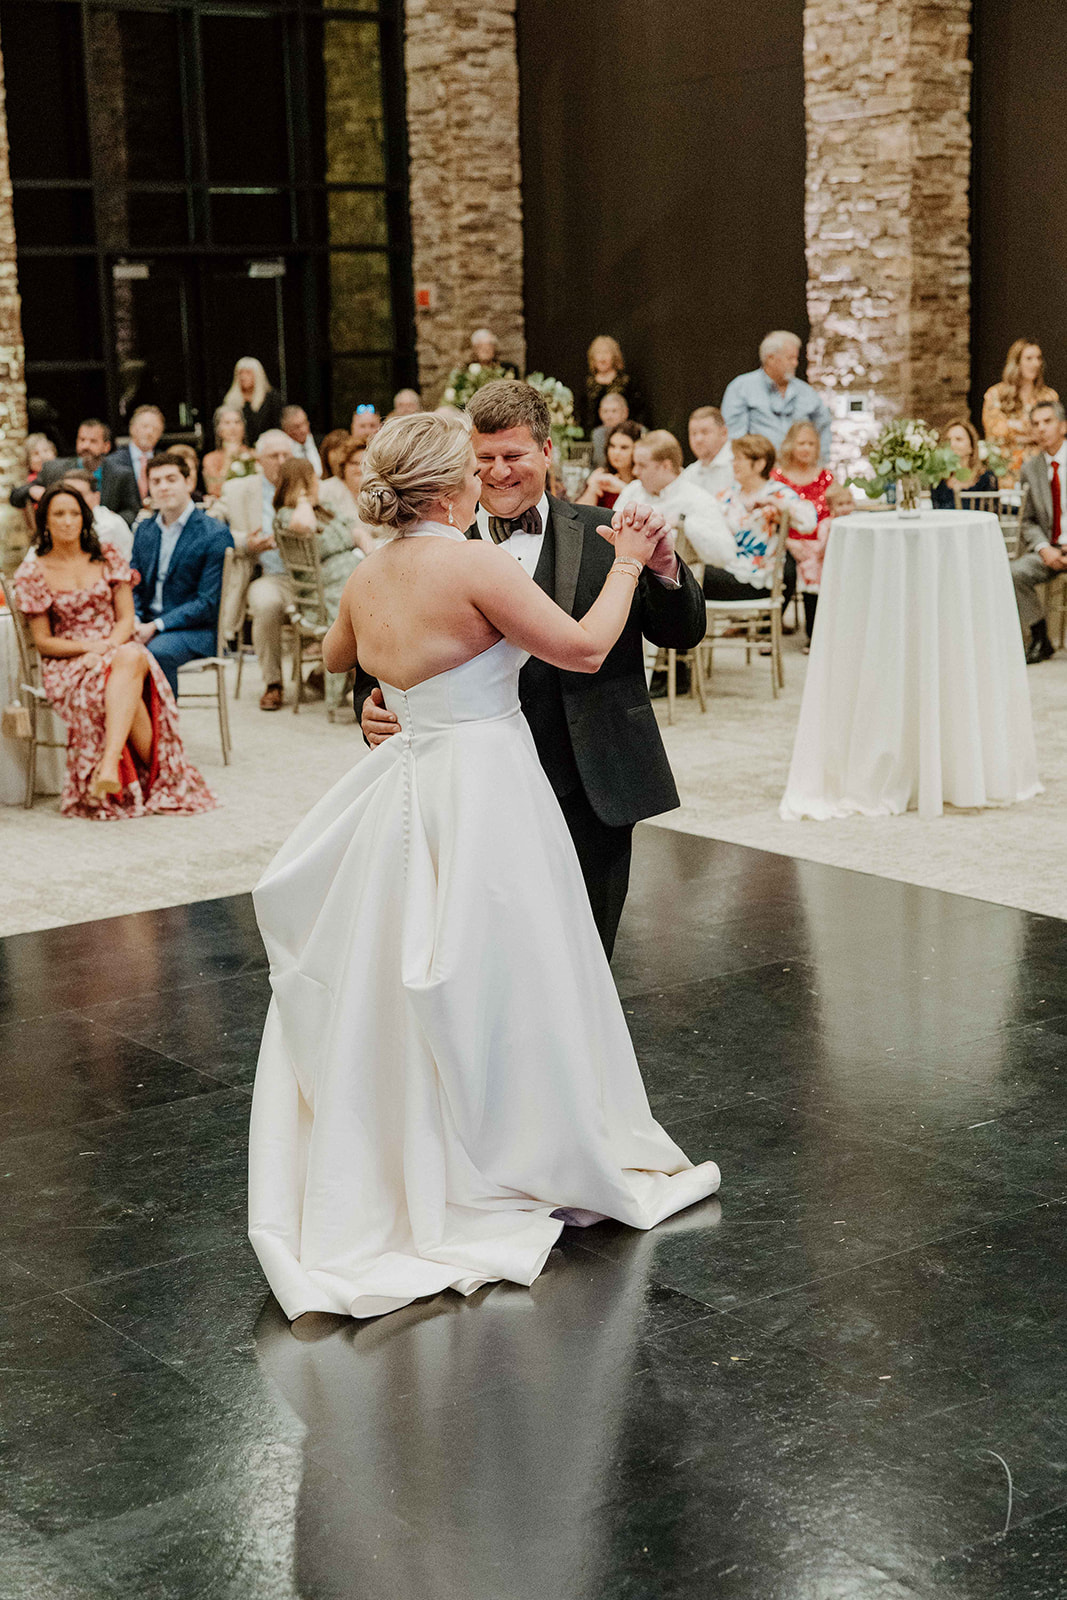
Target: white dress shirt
(1061, 459)
(169, 534)
(705, 526)
(525, 547)
(716, 475)
(308, 451)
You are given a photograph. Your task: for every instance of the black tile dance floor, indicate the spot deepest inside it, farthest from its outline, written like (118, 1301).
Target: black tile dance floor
(842, 1378)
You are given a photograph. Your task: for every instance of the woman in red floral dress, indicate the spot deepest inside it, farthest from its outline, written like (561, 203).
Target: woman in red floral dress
(124, 756)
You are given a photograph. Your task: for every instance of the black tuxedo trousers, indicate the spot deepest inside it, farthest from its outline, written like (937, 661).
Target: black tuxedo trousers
(596, 733)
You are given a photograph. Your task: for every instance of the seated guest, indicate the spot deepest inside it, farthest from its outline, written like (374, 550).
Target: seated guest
(124, 756)
(1007, 410)
(295, 423)
(752, 509)
(613, 410)
(251, 394)
(605, 484)
(230, 450)
(485, 352)
(406, 402)
(298, 509)
(607, 375)
(108, 526)
(659, 481)
(798, 466)
(331, 450)
(962, 437)
(116, 482)
(192, 468)
(146, 430)
(24, 496)
(365, 423)
(1045, 477)
(179, 554)
(713, 469)
(768, 401)
(340, 493)
(249, 508)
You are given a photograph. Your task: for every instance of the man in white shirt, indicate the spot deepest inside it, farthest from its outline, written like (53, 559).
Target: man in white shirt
(295, 423)
(248, 504)
(1043, 533)
(108, 526)
(709, 440)
(660, 482)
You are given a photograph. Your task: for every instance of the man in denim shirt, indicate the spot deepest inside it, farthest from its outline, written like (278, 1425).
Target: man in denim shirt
(769, 400)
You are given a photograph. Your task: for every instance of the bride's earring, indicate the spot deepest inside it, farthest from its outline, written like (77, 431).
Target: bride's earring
(451, 519)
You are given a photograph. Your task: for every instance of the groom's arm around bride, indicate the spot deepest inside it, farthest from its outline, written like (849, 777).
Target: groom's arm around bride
(596, 734)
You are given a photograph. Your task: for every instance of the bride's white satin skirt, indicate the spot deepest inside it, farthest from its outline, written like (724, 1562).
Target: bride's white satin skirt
(445, 1061)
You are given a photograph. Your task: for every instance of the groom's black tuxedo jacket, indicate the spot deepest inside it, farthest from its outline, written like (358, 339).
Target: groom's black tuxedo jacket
(597, 731)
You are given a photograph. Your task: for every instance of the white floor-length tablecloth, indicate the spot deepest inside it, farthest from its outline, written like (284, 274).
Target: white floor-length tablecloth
(15, 753)
(916, 691)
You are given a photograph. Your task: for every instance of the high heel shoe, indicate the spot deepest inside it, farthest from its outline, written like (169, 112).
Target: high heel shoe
(100, 788)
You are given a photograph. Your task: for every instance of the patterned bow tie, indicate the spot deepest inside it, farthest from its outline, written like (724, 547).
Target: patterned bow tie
(501, 528)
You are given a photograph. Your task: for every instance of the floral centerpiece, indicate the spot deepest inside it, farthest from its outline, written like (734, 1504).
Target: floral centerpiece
(463, 382)
(560, 402)
(909, 452)
(993, 458)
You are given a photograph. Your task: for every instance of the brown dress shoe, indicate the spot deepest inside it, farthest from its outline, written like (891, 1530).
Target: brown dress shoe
(271, 699)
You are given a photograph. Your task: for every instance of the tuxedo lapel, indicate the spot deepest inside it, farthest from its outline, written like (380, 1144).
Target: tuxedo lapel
(568, 537)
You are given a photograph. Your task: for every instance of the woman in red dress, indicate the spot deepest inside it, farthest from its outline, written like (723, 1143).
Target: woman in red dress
(124, 756)
(798, 466)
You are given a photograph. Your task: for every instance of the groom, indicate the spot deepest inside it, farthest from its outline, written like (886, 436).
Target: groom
(596, 733)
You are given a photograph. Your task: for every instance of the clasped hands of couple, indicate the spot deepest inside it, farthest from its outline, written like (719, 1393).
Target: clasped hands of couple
(639, 533)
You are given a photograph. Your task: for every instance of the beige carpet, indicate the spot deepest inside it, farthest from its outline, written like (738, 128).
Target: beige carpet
(731, 767)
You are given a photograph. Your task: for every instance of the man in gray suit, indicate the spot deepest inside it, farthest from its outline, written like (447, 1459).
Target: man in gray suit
(1043, 532)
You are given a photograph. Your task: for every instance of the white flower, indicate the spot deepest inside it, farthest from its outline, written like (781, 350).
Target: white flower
(450, 395)
(475, 366)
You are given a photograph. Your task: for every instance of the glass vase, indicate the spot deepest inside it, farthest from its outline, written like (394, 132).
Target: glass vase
(909, 489)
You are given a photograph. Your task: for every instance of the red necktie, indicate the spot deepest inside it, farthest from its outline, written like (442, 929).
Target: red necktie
(142, 478)
(1057, 504)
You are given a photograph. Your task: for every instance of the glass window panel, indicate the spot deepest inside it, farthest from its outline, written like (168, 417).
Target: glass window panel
(361, 314)
(350, 100)
(357, 217)
(53, 216)
(45, 90)
(71, 395)
(151, 90)
(245, 99)
(157, 219)
(252, 220)
(357, 380)
(61, 309)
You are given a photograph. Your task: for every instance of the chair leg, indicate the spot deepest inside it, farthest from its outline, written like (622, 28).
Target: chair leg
(31, 767)
(696, 678)
(240, 661)
(224, 714)
(298, 671)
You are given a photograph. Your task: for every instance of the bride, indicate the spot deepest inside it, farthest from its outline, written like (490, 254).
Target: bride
(445, 1078)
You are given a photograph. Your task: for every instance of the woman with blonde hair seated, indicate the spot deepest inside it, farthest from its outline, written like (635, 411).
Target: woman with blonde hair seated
(1007, 405)
(607, 375)
(231, 449)
(251, 394)
(298, 508)
(446, 1078)
(972, 475)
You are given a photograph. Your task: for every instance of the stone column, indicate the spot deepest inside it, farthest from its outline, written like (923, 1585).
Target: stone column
(466, 203)
(12, 353)
(887, 96)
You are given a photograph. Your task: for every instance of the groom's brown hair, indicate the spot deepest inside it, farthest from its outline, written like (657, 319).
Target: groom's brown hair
(509, 403)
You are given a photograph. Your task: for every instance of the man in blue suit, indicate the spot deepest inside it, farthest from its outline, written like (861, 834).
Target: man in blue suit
(179, 554)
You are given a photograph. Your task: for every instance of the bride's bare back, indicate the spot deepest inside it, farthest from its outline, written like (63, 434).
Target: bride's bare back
(424, 604)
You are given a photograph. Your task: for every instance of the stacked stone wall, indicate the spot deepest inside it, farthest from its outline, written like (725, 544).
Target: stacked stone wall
(887, 96)
(466, 202)
(12, 354)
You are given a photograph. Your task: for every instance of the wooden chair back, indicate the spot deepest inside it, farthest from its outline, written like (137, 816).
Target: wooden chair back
(978, 500)
(29, 660)
(300, 553)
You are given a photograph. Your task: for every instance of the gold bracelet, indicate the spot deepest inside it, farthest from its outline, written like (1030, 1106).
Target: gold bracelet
(630, 565)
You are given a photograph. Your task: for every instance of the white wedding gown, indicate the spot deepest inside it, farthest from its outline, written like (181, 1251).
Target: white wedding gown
(445, 1062)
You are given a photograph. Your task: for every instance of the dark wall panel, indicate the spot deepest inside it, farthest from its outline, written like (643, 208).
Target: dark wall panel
(1020, 186)
(663, 187)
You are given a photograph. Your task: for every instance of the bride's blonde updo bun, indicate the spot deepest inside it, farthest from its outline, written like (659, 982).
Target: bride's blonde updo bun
(410, 463)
